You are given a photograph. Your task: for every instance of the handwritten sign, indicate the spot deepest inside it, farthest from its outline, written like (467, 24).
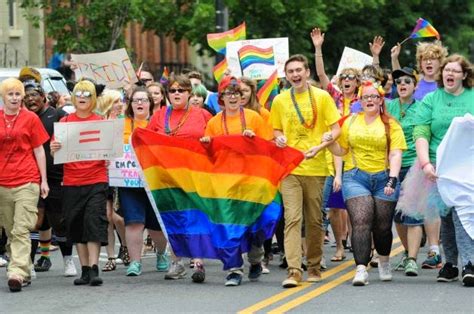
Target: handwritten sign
(258, 71)
(124, 171)
(95, 140)
(112, 68)
(352, 58)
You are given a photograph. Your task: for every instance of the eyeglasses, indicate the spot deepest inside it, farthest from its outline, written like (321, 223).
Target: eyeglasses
(82, 93)
(144, 80)
(406, 80)
(229, 94)
(373, 97)
(140, 100)
(179, 90)
(453, 71)
(32, 94)
(350, 77)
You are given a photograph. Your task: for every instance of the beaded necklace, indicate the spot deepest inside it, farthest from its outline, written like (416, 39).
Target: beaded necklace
(298, 111)
(170, 131)
(242, 121)
(403, 112)
(9, 124)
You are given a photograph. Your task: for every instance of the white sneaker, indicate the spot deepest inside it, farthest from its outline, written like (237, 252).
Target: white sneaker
(265, 269)
(3, 261)
(32, 273)
(69, 267)
(361, 277)
(385, 273)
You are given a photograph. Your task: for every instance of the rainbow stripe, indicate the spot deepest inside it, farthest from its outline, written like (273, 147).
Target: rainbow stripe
(214, 200)
(165, 76)
(249, 55)
(424, 29)
(219, 70)
(218, 41)
(268, 91)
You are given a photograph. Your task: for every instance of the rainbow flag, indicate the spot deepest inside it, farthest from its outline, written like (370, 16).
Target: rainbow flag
(249, 55)
(424, 29)
(268, 90)
(218, 41)
(165, 76)
(219, 70)
(214, 200)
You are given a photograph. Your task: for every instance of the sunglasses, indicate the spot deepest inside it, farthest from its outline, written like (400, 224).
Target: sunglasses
(406, 80)
(373, 97)
(82, 93)
(140, 100)
(145, 80)
(350, 77)
(179, 90)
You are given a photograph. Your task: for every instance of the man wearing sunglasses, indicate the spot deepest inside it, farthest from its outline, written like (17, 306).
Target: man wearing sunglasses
(404, 110)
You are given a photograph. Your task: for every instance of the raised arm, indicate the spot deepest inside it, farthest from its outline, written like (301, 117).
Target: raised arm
(375, 48)
(394, 53)
(318, 40)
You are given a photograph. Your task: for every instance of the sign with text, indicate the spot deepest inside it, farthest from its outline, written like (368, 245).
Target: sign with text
(95, 140)
(111, 68)
(352, 58)
(124, 171)
(257, 58)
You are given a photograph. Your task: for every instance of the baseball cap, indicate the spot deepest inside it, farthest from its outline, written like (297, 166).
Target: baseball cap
(28, 73)
(405, 71)
(33, 85)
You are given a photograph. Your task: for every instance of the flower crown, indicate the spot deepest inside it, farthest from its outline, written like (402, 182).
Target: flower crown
(377, 86)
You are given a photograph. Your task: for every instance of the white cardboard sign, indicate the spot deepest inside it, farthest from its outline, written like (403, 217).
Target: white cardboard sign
(352, 58)
(124, 171)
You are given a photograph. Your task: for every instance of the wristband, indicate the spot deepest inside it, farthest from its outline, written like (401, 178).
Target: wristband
(425, 164)
(391, 182)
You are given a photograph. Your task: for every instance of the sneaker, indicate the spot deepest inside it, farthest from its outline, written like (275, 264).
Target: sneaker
(314, 275)
(43, 264)
(293, 279)
(323, 265)
(69, 267)
(134, 269)
(255, 271)
(162, 261)
(176, 271)
(411, 268)
(199, 274)
(283, 263)
(33, 274)
(233, 279)
(433, 261)
(402, 263)
(265, 269)
(374, 262)
(448, 273)
(385, 272)
(3, 261)
(468, 275)
(361, 277)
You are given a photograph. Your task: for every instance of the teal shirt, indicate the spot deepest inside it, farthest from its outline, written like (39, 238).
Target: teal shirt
(438, 109)
(408, 124)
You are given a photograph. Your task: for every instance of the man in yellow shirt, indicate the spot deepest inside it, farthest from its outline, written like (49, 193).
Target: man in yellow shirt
(299, 117)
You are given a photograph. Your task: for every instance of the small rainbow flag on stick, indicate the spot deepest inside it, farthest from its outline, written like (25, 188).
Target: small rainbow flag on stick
(249, 55)
(219, 70)
(422, 29)
(165, 76)
(218, 41)
(268, 91)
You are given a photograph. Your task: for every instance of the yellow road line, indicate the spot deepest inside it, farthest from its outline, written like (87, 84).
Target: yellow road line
(323, 289)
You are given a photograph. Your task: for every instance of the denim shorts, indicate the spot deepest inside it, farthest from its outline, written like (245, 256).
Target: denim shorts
(398, 217)
(332, 199)
(360, 183)
(137, 208)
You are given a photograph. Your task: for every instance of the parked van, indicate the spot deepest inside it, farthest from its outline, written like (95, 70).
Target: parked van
(52, 79)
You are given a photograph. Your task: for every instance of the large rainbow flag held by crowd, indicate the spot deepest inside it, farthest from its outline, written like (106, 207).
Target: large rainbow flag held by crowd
(214, 200)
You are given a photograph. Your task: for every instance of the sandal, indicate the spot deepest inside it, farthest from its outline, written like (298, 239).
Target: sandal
(191, 263)
(110, 265)
(336, 258)
(125, 256)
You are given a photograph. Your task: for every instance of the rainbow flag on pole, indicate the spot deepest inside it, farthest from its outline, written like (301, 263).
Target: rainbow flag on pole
(165, 76)
(268, 91)
(218, 41)
(214, 200)
(249, 55)
(219, 70)
(424, 29)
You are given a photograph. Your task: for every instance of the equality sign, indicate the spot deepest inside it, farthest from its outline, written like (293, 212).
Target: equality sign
(82, 141)
(111, 68)
(124, 171)
(257, 58)
(352, 58)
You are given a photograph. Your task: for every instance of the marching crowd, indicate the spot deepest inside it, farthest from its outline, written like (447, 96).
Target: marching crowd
(363, 133)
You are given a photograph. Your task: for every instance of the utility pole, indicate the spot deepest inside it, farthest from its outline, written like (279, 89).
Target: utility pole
(222, 22)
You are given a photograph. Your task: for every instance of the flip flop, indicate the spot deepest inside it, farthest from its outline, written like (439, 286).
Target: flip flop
(338, 258)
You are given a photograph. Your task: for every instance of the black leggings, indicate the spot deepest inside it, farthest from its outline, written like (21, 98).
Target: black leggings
(369, 216)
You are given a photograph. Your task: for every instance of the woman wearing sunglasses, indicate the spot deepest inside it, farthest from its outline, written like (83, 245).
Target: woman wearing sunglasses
(375, 141)
(181, 119)
(85, 191)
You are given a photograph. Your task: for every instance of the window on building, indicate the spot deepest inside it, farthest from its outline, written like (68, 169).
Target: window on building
(11, 13)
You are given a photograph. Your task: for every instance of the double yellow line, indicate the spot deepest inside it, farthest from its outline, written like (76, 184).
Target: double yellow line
(313, 293)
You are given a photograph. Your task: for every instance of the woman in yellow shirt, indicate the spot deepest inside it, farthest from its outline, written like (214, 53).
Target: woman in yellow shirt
(371, 186)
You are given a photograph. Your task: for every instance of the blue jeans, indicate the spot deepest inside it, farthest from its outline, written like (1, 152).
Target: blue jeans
(360, 183)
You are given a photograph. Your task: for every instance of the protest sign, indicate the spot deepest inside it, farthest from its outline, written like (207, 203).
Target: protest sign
(124, 171)
(258, 58)
(352, 58)
(111, 68)
(95, 140)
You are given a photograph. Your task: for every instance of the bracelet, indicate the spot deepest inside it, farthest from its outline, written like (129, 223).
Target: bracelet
(391, 182)
(425, 164)
(318, 55)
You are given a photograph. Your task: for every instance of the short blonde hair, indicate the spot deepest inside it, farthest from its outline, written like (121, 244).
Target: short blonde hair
(434, 50)
(11, 84)
(106, 100)
(87, 86)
